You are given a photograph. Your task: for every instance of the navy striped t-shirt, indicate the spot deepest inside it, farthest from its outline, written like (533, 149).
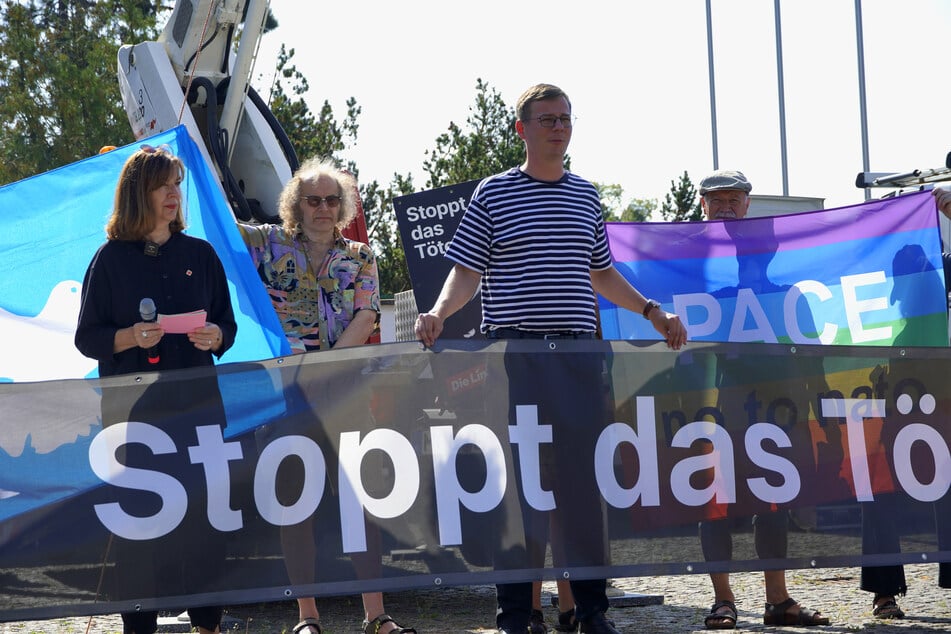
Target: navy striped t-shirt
(535, 244)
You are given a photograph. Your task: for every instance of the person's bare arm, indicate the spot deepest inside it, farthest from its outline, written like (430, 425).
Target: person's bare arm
(612, 285)
(359, 329)
(460, 286)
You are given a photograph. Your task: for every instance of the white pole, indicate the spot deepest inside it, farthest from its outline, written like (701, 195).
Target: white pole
(863, 111)
(713, 90)
(782, 97)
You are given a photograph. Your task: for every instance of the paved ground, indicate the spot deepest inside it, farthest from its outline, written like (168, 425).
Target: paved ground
(470, 610)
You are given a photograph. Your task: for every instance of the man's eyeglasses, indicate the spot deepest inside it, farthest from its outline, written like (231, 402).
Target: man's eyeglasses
(548, 120)
(314, 201)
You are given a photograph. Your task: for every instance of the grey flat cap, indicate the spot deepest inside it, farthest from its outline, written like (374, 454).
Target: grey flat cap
(725, 179)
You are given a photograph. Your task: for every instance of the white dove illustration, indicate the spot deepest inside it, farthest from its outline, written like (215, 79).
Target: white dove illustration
(41, 348)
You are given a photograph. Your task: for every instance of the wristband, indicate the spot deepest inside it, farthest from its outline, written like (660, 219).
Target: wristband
(649, 306)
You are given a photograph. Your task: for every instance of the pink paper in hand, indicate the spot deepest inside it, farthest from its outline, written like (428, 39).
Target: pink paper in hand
(182, 323)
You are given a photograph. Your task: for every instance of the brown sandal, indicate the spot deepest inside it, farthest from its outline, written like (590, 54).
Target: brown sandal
(721, 620)
(777, 614)
(305, 625)
(373, 627)
(887, 609)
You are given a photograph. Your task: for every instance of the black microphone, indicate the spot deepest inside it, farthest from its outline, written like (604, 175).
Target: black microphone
(148, 313)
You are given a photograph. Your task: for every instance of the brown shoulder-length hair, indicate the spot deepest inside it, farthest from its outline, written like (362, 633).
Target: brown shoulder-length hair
(310, 171)
(145, 171)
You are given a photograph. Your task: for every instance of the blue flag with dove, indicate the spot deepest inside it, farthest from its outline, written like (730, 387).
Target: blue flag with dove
(50, 227)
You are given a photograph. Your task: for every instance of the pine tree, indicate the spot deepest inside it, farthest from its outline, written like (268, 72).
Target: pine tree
(681, 202)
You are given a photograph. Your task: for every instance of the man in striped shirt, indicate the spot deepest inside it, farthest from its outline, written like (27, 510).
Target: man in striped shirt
(533, 237)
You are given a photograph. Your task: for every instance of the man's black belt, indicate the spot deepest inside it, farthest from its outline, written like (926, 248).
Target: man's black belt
(516, 333)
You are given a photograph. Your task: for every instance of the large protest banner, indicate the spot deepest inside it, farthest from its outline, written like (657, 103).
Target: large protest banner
(450, 462)
(868, 274)
(427, 221)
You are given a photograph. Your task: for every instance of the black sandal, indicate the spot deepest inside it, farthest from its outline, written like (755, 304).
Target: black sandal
(725, 620)
(777, 614)
(567, 621)
(373, 627)
(887, 609)
(307, 623)
(536, 623)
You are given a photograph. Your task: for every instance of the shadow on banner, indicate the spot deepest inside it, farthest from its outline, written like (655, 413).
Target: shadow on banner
(392, 467)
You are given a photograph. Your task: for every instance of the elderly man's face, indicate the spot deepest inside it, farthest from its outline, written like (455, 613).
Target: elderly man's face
(725, 204)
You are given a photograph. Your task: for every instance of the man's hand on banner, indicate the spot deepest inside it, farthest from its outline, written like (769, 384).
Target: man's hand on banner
(670, 327)
(942, 199)
(428, 328)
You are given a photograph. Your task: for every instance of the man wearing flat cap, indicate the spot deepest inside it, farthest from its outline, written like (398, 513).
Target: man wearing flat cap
(725, 195)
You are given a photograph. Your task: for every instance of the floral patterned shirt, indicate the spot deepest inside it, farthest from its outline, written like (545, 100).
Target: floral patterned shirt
(306, 294)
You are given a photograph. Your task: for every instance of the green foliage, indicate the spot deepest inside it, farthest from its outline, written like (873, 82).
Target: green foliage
(487, 146)
(681, 202)
(639, 210)
(310, 134)
(323, 135)
(63, 104)
(613, 208)
(381, 225)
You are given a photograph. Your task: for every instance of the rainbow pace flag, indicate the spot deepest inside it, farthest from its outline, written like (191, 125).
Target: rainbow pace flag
(51, 225)
(868, 274)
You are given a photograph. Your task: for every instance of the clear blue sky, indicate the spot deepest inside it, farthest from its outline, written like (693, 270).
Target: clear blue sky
(637, 76)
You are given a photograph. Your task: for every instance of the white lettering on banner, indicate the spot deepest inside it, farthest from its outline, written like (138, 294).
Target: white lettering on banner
(439, 211)
(428, 238)
(644, 441)
(719, 459)
(748, 306)
(760, 487)
(102, 460)
(475, 377)
(715, 467)
(213, 453)
(854, 307)
(431, 249)
(905, 470)
(354, 498)
(450, 494)
(855, 411)
(705, 301)
(265, 480)
(791, 301)
(527, 434)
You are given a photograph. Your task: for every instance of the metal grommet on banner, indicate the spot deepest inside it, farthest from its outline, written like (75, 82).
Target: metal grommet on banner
(792, 350)
(566, 575)
(551, 345)
(138, 607)
(288, 592)
(437, 581)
